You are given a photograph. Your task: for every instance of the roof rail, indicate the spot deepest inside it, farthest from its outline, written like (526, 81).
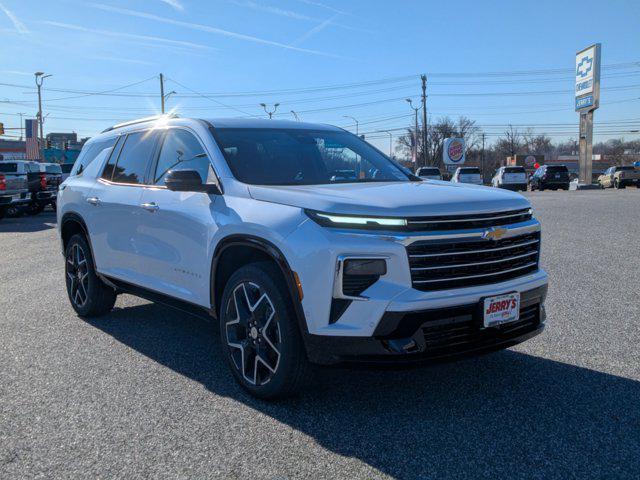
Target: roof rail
(140, 120)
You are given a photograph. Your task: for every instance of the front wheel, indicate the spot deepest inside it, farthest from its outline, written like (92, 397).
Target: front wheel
(35, 208)
(259, 333)
(88, 294)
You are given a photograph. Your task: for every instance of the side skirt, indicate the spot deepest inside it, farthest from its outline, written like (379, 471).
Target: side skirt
(161, 298)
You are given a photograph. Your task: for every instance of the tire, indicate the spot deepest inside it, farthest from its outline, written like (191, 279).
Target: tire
(89, 296)
(34, 208)
(259, 333)
(601, 185)
(3, 212)
(14, 211)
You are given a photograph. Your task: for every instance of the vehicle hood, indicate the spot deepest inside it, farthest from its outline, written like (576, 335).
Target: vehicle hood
(409, 199)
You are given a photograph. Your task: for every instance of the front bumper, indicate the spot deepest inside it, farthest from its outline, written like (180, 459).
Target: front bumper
(424, 336)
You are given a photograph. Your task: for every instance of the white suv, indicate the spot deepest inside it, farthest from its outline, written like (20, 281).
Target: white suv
(248, 221)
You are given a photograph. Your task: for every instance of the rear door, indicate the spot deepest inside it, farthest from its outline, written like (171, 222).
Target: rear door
(115, 206)
(176, 227)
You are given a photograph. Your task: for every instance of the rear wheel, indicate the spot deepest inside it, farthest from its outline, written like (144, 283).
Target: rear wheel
(260, 336)
(88, 294)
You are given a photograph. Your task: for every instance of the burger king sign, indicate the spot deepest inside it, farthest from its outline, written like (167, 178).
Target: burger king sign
(453, 151)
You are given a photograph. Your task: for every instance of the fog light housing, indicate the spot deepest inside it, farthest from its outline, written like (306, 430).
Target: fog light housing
(368, 266)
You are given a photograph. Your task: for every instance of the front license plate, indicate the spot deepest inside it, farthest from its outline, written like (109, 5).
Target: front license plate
(501, 309)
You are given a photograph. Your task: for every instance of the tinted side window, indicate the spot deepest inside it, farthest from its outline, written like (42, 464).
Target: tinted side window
(181, 150)
(134, 158)
(89, 153)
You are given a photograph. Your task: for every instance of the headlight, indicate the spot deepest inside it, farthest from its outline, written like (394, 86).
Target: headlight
(356, 221)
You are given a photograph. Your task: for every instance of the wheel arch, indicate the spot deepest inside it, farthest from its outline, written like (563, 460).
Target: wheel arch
(71, 224)
(255, 248)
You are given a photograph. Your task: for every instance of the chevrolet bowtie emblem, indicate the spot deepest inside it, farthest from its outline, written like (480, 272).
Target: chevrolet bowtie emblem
(494, 233)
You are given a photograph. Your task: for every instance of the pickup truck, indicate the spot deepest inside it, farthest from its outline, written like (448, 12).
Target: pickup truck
(620, 177)
(42, 184)
(13, 190)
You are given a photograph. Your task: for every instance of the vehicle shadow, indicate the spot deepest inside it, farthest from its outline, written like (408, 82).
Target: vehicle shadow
(29, 223)
(505, 415)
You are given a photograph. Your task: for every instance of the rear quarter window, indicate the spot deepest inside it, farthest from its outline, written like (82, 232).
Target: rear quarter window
(89, 153)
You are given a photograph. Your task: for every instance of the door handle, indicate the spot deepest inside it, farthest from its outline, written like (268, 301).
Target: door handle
(93, 200)
(150, 207)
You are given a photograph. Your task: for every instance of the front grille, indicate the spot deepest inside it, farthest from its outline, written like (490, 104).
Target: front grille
(462, 222)
(464, 336)
(446, 264)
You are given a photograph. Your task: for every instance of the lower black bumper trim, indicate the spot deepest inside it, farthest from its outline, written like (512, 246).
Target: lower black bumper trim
(430, 335)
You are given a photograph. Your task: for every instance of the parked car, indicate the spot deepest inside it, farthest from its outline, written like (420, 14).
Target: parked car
(53, 177)
(240, 219)
(66, 170)
(512, 178)
(429, 173)
(553, 177)
(467, 175)
(42, 185)
(620, 177)
(13, 190)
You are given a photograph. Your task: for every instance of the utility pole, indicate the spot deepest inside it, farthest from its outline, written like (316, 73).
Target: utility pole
(40, 76)
(354, 119)
(415, 133)
(424, 119)
(270, 113)
(162, 93)
(482, 158)
(21, 126)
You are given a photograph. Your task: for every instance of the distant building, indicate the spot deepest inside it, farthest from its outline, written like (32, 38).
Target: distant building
(60, 140)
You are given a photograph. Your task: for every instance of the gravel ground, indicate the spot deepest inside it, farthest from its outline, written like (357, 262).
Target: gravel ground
(144, 393)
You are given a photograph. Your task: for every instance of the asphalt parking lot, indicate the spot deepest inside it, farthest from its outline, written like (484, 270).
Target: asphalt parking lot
(143, 392)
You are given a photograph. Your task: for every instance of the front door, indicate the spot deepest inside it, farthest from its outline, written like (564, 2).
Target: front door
(176, 229)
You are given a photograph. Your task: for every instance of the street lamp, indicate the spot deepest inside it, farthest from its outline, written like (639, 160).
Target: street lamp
(295, 115)
(40, 76)
(415, 132)
(270, 113)
(354, 119)
(172, 92)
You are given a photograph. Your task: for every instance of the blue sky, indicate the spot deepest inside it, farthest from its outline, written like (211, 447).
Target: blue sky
(278, 48)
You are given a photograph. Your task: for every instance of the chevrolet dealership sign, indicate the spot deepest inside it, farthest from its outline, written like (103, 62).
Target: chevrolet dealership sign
(587, 84)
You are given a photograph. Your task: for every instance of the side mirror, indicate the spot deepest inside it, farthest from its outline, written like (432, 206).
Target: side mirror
(189, 181)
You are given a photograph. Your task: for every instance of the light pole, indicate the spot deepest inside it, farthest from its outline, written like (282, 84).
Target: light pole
(21, 125)
(270, 113)
(415, 132)
(166, 97)
(354, 119)
(295, 115)
(390, 143)
(40, 76)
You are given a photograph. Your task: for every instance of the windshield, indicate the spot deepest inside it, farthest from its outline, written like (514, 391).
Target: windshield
(428, 171)
(469, 170)
(53, 169)
(262, 156)
(625, 168)
(514, 170)
(557, 169)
